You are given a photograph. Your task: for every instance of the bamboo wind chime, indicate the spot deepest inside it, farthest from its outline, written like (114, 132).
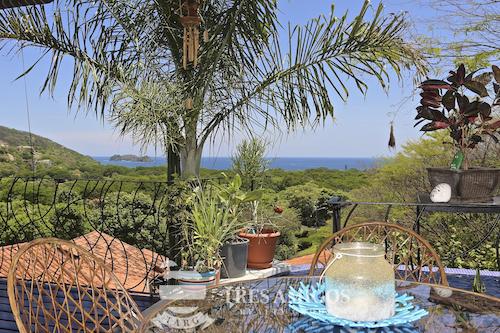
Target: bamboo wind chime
(191, 21)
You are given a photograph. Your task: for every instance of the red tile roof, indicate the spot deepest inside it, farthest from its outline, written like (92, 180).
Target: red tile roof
(132, 266)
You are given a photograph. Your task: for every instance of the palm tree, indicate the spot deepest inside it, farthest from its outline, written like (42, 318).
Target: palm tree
(133, 64)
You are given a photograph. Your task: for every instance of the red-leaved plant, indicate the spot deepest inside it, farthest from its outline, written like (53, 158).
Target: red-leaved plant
(468, 119)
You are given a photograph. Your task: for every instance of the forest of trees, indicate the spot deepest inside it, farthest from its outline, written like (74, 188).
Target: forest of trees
(136, 204)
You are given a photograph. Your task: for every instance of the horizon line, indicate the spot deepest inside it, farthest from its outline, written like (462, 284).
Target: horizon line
(267, 157)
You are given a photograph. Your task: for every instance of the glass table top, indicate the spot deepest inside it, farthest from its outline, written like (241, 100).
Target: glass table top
(261, 306)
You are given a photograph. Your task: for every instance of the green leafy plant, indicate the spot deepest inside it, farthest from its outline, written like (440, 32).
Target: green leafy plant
(478, 285)
(309, 200)
(212, 224)
(176, 209)
(215, 221)
(249, 162)
(468, 121)
(233, 197)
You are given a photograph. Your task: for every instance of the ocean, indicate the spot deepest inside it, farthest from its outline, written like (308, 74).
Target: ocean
(285, 163)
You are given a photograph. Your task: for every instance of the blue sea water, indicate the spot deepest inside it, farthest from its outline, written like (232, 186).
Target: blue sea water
(285, 163)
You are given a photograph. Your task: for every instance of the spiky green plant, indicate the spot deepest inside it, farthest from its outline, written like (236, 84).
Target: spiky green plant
(212, 225)
(478, 285)
(215, 219)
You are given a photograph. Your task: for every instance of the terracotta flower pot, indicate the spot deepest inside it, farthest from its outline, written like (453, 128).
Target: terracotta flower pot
(261, 248)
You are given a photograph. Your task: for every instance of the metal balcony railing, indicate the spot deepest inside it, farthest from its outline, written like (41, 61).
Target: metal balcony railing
(123, 222)
(480, 222)
(126, 223)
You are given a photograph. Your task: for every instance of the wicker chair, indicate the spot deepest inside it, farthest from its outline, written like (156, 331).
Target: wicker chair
(413, 257)
(57, 286)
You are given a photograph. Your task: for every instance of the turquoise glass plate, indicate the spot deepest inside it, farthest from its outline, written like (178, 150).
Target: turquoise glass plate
(309, 300)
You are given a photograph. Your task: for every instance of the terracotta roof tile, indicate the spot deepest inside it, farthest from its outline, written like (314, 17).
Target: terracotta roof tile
(132, 266)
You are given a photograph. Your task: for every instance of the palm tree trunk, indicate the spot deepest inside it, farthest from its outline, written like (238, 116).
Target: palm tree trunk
(190, 161)
(190, 154)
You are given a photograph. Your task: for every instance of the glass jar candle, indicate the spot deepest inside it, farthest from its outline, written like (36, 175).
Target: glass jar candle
(360, 283)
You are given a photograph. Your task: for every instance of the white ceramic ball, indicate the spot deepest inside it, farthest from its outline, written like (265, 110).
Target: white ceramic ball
(441, 193)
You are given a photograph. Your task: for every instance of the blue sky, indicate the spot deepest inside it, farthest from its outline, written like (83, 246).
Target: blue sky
(360, 129)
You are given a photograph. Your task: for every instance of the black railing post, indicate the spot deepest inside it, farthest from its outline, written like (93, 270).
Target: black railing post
(174, 229)
(336, 205)
(497, 251)
(173, 164)
(416, 226)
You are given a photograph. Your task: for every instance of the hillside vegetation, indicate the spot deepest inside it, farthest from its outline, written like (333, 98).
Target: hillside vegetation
(50, 158)
(301, 195)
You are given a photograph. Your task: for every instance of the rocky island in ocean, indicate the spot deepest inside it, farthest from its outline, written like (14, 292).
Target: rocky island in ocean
(131, 158)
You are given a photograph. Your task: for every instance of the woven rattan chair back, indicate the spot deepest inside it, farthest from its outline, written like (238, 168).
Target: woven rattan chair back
(413, 257)
(57, 286)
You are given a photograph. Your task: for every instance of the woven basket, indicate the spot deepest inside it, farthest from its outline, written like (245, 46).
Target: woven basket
(473, 185)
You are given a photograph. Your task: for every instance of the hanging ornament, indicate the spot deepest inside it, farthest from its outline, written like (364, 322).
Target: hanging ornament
(190, 20)
(392, 139)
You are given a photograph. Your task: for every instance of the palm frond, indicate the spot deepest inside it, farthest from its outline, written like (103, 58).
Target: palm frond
(127, 63)
(104, 53)
(150, 113)
(299, 86)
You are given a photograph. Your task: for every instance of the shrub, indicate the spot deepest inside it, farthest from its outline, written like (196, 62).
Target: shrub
(304, 245)
(310, 202)
(68, 222)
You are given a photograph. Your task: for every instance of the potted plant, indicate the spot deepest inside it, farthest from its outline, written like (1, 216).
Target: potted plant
(250, 162)
(263, 237)
(470, 121)
(212, 245)
(234, 251)
(203, 237)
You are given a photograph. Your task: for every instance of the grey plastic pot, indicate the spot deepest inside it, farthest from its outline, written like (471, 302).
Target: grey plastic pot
(234, 258)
